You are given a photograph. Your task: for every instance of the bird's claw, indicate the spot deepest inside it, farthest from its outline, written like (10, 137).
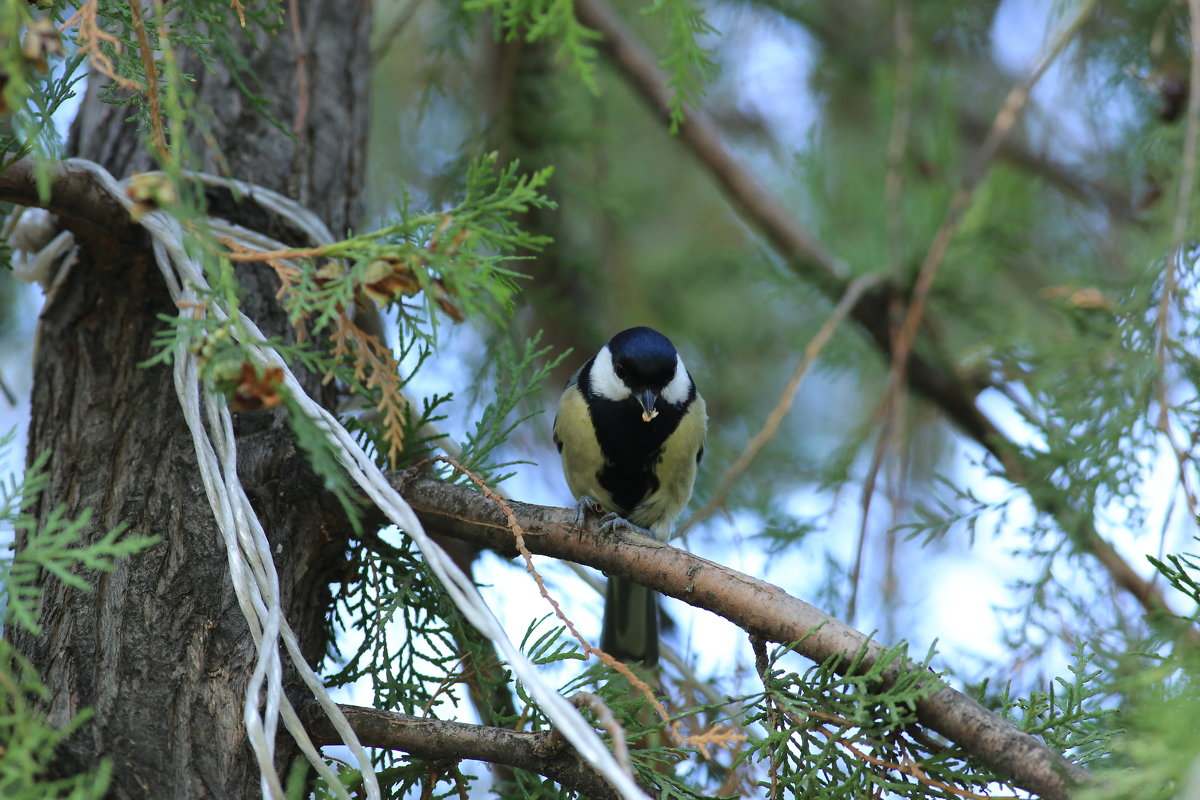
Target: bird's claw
(609, 523)
(613, 522)
(582, 506)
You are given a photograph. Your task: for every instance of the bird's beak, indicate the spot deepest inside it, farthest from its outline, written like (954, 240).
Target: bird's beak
(647, 398)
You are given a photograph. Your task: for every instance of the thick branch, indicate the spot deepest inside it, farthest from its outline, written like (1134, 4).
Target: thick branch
(758, 607)
(438, 740)
(98, 220)
(83, 207)
(953, 393)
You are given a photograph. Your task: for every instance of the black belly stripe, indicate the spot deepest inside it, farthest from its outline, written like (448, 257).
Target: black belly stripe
(632, 448)
(628, 484)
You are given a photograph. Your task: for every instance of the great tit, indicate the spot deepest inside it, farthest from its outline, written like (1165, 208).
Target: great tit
(630, 429)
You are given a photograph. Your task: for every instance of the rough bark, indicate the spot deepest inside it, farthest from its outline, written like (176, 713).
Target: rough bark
(159, 649)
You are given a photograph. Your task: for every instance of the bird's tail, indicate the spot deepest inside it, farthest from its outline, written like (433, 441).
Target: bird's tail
(630, 630)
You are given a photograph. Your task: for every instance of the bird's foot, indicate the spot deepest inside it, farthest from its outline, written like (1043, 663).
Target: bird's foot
(582, 506)
(611, 523)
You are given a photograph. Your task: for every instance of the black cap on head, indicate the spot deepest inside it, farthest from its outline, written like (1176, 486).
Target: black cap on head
(643, 357)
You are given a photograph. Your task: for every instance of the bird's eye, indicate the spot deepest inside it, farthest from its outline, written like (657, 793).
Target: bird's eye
(621, 368)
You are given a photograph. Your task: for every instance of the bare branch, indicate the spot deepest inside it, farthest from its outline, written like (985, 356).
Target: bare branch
(157, 131)
(437, 740)
(80, 204)
(1176, 261)
(758, 607)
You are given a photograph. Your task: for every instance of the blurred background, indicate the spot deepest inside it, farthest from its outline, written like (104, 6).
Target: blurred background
(1056, 305)
(859, 119)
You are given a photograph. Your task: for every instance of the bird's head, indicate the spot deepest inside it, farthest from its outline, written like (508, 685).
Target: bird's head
(643, 364)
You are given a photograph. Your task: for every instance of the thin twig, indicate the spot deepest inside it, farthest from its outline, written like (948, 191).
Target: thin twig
(71, 20)
(889, 411)
(286, 253)
(90, 36)
(898, 489)
(156, 123)
(1182, 457)
(697, 131)
(1087, 190)
(301, 72)
(775, 756)
(892, 409)
(911, 767)
(605, 717)
(853, 292)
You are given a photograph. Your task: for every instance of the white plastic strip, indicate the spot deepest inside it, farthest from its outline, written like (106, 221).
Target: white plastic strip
(252, 568)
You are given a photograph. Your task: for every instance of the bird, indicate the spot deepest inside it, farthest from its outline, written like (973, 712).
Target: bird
(630, 429)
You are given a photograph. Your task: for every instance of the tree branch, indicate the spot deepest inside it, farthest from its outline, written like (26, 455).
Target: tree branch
(83, 207)
(757, 607)
(436, 740)
(96, 219)
(954, 393)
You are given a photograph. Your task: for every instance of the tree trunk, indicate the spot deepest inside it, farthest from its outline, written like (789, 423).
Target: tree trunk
(159, 649)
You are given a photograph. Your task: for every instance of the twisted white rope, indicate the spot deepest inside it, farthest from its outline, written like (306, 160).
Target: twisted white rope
(252, 569)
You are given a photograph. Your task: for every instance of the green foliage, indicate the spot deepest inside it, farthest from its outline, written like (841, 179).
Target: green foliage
(1181, 572)
(687, 64)
(400, 611)
(686, 61)
(1155, 751)
(456, 255)
(534, 20)
(820, 725)
(414, 648)
(37, 81)
(518, 379)
(1070, 715)
(29, 742)
(54, 546)
(836, 731)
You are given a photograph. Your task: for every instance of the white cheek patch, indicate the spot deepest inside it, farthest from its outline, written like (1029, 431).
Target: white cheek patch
(603, 380)
(680, 387)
